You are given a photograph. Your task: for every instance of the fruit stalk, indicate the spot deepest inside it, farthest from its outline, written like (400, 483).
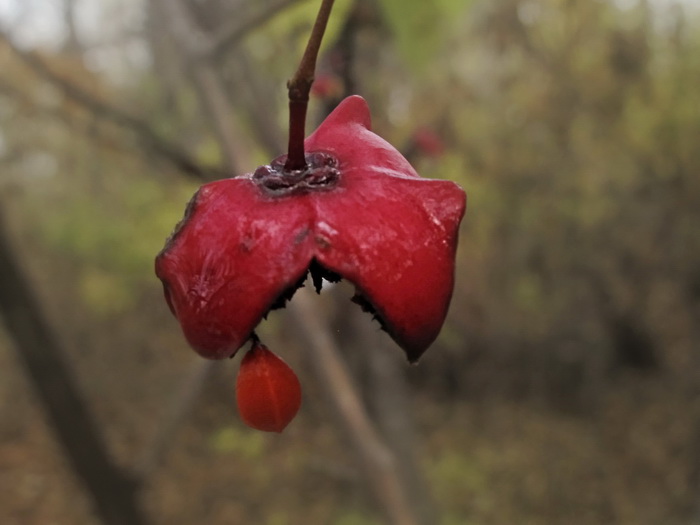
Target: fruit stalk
(299, 87)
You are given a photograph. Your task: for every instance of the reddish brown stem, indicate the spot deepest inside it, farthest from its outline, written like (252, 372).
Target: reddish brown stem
(300, 86)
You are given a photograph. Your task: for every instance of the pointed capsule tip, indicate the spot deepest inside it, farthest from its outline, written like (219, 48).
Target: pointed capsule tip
(352, 110)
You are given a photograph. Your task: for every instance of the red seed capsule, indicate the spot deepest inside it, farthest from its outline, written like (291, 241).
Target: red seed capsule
(267, 390)
(358, 212)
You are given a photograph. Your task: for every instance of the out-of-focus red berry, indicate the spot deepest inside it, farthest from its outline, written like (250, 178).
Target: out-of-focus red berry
(428, 142)
(327, 85)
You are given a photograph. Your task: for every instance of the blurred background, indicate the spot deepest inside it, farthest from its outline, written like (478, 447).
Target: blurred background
(565, 385)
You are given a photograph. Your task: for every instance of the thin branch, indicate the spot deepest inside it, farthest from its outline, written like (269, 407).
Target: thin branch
(260, 104)
(72, 45)
(300, 84)
(389, 399)
(193, 43)
(235, 30)
(378, 461)
(299, 87)
(151, 140)
(212, 95)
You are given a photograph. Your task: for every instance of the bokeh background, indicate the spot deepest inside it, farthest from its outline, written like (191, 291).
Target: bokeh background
(565, 385)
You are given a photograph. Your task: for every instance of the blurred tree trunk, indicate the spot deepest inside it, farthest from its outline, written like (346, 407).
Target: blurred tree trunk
(113, 493)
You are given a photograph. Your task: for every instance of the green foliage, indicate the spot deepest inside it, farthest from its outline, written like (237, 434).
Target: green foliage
(455, 476)
(576, 142)
(105, 292)
(278, 518)
(420, 28)
(355, 518)
(102, 239)
(238, 441)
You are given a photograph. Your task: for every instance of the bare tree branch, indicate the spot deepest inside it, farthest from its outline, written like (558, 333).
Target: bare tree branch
(149, 139)
(235, 30)
(113, 493)
(260, 104)
(389, 402)
(212, 95)
(377, 459)
(72, 44)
